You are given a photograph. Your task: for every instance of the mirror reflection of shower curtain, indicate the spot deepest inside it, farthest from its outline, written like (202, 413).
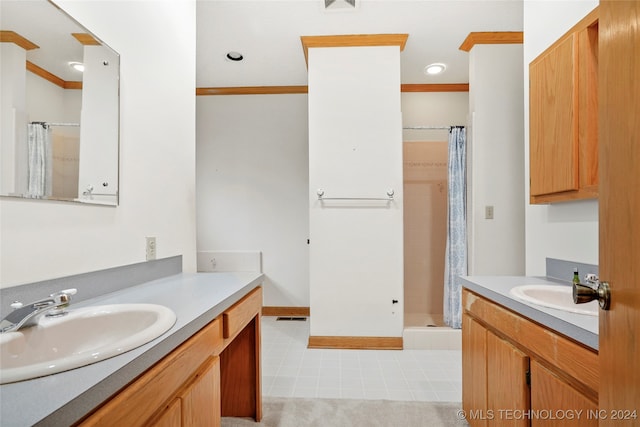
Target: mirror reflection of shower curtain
(40, 161)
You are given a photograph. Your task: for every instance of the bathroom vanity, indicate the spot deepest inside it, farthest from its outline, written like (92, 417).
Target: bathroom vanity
(525, 365)
(206, 366)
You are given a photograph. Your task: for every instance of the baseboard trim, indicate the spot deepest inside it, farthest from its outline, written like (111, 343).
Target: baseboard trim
(356, 343)
(286, 311)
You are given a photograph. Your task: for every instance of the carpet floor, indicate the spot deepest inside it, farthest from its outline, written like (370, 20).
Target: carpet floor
(300, 412)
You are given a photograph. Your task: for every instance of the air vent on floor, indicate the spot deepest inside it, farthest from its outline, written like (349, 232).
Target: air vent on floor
(298, 319)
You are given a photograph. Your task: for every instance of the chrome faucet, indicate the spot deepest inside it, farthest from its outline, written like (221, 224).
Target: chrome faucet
(23, 315)
(592, 280)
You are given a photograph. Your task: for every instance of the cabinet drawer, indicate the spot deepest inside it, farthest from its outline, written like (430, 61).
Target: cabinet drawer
(139, 402)
(241, 313)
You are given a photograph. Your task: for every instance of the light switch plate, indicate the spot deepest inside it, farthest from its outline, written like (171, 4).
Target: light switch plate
(488, 212)
(151, 248)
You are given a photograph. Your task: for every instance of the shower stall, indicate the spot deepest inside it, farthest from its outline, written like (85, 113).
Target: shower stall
(66, 161)
(51, 168)
(425, 233)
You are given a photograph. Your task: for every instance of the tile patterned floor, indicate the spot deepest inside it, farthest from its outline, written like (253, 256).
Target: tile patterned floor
(290, 369)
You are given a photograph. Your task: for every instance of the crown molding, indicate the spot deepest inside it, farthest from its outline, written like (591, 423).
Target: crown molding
(251, 90)
(86, 39)
(13, 37)
(352, 40)
(39, 71)
(494, 37)
(442, 87)
(280, 90)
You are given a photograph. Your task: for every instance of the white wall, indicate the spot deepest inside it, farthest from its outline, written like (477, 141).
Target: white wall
(253, 174)
(252, 186)
(42, 240)
(495, 159)
(49, 102)
(433, 109)
(355, 150)
(12, 117)
(98, 155)
(563, 230)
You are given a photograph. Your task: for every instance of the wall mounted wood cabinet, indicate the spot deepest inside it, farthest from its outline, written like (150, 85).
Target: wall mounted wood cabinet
(563, 117)
(518, 373)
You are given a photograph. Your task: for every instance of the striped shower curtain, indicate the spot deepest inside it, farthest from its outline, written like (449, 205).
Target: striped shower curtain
(40, 161)
(456, 249)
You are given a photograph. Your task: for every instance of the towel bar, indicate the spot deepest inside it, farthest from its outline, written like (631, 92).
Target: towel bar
(320, 194)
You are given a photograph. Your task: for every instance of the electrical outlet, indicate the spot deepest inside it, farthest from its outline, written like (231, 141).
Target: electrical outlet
(151, 248)
(488, 212)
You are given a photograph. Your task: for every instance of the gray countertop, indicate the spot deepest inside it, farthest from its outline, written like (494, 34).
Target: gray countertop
(64, 398)
(579, 327)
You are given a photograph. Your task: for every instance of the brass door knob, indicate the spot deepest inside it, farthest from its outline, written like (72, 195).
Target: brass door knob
(583, 294)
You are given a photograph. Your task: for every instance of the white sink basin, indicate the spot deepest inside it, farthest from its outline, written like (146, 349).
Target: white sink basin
(83, 336)
(554, 296)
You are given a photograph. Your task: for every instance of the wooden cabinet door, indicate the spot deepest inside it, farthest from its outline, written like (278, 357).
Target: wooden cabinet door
(171, 416)
(201, 398)
(619, 128)
(474, 371)
(588, 108)
(554, 403)
(553, 121)
(507, 389)
(563, 116)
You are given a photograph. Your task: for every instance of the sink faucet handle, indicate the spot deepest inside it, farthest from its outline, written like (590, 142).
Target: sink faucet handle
(61, 300)
(69, 292)
(64, 295)
(591, 278)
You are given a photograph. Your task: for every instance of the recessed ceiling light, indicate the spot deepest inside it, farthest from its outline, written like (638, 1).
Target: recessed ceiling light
(234, 56)
(78, 66)
(433, 69)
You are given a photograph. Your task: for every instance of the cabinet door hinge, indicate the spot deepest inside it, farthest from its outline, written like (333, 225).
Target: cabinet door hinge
(527, 376)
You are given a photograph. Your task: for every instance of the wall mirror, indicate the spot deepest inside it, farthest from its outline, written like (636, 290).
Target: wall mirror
(59, 107)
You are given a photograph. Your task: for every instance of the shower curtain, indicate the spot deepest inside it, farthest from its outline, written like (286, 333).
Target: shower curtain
(456, 248)
(40, 161)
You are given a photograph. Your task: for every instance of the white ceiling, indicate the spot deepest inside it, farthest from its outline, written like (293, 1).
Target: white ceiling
(45, 25)
(267, 33)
